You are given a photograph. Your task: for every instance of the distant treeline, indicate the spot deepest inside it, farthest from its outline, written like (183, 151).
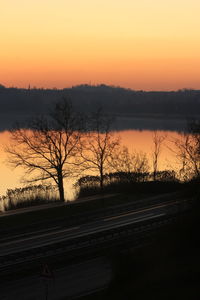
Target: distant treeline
(17, 104)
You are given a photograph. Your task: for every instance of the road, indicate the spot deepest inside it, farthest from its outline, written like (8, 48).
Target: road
(78, 279)
(31, 240)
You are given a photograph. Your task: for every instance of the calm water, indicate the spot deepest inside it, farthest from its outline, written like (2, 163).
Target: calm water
(135, 140)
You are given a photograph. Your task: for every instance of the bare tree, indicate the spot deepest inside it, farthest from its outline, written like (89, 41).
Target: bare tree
(49, 147)
(187, 151)
(98, 145)
(123, 161)
(157, 145)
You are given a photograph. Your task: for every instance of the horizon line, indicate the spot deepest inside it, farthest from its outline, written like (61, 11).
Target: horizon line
(96, 85)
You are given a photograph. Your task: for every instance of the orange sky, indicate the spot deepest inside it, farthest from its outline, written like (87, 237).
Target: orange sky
(146, 44)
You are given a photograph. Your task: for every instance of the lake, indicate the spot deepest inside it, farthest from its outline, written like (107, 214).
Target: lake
(135, 140)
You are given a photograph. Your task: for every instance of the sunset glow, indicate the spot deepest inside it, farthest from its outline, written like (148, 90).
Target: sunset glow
(150, 45)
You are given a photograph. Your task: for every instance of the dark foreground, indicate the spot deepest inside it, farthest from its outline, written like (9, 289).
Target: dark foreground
(165, 266)
(168, 268)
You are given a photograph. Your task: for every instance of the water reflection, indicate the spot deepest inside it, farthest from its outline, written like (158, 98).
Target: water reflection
(150, 123)
(135, 140)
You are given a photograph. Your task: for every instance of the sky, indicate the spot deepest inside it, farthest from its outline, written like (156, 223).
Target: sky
(143, 44)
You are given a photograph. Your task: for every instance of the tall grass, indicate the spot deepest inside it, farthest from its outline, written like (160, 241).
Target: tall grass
(28, 196)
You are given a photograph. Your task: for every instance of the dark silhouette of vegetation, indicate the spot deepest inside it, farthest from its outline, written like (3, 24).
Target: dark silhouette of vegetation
(187, 151)
(99, 146)
(165, 175)
(62, 145)
(130, 182)
(124, 161)
(16, 104)
(157, 144)
(29, 196)
(49, 149)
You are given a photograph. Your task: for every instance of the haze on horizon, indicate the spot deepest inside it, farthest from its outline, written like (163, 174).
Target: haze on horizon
(148, 45)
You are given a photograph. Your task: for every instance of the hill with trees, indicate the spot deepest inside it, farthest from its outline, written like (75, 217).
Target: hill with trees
(17, 104)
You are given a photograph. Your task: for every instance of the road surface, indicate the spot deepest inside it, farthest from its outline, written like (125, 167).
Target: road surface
(80, 279)
(31, 240)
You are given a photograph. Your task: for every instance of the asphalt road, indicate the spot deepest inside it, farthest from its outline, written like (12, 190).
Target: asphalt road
(21, 242)
(80, 279)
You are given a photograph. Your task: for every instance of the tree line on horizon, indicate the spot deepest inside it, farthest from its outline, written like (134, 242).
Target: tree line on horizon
(116, 101)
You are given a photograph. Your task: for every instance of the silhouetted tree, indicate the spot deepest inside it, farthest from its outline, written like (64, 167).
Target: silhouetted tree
(187, 151)
(98, 145)
(129, 163)
(48, 147)
(157, 143)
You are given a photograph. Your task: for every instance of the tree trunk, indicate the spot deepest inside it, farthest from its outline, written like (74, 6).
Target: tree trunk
(101, 179)
(60, 186)
(155, 168)
(154, 175)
